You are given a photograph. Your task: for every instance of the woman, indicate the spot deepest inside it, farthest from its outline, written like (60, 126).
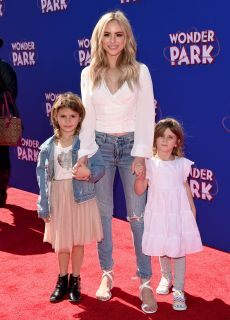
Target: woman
(9, 86)
(118, 96)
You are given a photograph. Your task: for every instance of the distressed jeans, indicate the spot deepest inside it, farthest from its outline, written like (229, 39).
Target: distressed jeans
(116, 153)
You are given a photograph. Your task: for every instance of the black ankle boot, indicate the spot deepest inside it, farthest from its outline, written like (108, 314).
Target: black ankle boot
(61, 289)
(74, 288)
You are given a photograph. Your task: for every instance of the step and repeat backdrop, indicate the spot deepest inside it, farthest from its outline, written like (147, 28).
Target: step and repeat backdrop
(186, 47)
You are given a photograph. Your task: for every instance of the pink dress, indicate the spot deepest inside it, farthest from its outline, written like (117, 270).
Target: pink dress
(169, 225)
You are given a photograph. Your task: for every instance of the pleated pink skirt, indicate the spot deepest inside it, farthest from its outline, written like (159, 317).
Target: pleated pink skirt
(71, 223)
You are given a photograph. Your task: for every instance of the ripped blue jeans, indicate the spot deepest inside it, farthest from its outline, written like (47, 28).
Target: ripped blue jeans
(116, 153)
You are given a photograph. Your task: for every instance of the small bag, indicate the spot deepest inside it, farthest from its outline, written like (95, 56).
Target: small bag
(10, 127)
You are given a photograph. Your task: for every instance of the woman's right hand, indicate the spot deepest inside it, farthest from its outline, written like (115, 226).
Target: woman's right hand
(82, 173)
(81, 163)
(83, 160)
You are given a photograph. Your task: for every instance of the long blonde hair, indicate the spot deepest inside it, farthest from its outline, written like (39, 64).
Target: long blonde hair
(176, 128)
(67, 100)
(126, 61)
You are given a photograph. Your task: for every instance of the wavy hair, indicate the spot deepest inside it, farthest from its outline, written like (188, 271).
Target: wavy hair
(126, 61)
(67, 100)
(176, 128)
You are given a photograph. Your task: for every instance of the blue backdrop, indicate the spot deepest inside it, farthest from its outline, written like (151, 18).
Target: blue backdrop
(186, 47)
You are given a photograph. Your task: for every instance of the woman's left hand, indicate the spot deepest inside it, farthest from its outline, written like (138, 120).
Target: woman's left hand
(138, 166)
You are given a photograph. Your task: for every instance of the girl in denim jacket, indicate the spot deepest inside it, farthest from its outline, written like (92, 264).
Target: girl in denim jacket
(67, 205)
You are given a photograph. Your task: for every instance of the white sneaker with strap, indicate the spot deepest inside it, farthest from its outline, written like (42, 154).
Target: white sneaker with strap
(164, 286)
(145, 307)
(179, 303)
(105, 294)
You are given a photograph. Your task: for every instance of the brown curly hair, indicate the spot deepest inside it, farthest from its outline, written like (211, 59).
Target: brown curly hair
(67, 100)
(176, 128)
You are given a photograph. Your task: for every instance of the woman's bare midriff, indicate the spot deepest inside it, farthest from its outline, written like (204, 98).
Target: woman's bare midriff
(118, 134)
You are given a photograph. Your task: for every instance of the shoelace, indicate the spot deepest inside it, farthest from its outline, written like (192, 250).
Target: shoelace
(164, 282)
(178, 296)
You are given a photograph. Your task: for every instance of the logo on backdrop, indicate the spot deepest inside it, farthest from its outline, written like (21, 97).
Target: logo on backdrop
(203, 184)
(158, 111)
(48, 6)
(82, 54)
(29, 150)
(128, 1)
(23, 53)
(50, 97)
(2, 6)
(226, 123)
(192, 48)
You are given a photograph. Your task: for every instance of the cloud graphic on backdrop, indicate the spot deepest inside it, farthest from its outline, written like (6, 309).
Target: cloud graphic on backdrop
(128, 1)
(226, 123)
(158, 110)
(2, 8)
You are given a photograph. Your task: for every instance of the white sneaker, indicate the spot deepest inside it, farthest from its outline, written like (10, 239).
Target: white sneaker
(164, 286)
(179, 303)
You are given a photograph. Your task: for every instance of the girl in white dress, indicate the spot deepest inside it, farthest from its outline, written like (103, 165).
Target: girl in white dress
(170, 229)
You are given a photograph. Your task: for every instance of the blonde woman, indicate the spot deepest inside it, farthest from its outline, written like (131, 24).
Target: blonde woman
(118, 96)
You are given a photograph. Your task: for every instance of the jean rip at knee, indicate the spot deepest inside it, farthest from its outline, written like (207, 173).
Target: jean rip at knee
(135, 217)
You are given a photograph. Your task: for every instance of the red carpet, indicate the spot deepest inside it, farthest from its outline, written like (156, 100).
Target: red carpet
(29, 271)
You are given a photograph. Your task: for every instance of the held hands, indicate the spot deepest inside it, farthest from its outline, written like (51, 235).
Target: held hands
(47, 220)
(138, 168)
(80, 170)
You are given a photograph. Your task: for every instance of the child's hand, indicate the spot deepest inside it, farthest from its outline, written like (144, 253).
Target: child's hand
(140, 177)
(47, 220)
(139, 170)
(140, 184)
(81, 172)
(138, 166)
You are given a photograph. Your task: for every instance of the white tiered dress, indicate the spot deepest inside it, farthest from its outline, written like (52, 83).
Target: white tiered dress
(169, 225)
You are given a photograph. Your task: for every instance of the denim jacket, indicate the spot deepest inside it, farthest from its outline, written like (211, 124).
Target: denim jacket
(83, 190)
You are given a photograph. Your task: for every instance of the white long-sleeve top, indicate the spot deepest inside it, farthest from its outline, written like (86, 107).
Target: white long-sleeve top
(127, 110)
